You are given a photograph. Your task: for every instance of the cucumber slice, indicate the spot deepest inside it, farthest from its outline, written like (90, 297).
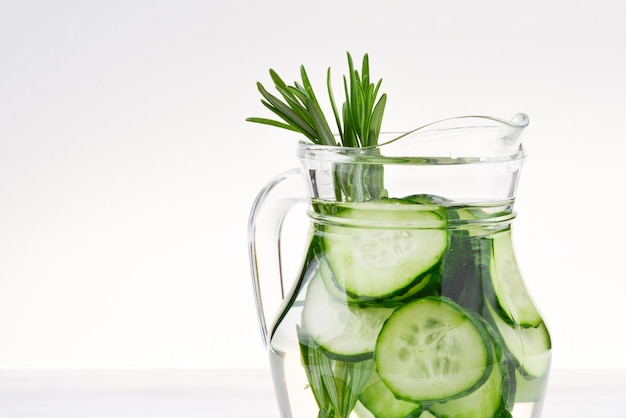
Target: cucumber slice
(425, 285)
(428, 199)
(529, 347)
(509, 294)
(433, 350)
(382, 403)
(530, 390)
(344, 331)
(361, 411)
(331, 284)
(464, 267)
(395, 244)
(487, 401)
(440, 204)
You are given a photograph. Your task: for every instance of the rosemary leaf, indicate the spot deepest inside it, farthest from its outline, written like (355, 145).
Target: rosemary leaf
(377, 117)
(333, 105)
(285, 112)
(296, 101)
(365, 70)
(308, 88)
(328, 379)
(311, 368)
(319, 121)
(272, 122)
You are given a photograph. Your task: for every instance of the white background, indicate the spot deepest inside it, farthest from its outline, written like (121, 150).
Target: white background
(127, 170)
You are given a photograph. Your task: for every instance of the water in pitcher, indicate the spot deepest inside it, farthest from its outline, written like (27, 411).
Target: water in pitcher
(451, 288)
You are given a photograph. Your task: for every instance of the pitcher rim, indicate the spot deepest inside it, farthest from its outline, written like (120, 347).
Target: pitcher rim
(374, 154)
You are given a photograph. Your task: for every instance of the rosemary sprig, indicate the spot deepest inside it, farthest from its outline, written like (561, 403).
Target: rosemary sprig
(299, 110)
(335, 384)
(358, 122)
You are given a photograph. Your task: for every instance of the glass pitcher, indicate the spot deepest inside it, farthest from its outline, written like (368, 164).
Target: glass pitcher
(408, 300)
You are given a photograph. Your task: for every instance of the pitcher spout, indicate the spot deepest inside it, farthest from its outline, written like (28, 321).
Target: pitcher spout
(464, 139)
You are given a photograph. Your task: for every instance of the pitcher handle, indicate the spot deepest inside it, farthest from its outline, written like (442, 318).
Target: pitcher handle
(267, 215)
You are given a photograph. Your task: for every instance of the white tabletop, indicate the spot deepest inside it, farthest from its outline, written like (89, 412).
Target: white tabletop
(239, 393)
